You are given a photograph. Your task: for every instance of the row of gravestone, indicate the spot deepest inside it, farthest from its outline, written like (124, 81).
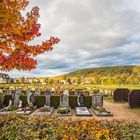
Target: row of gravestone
(125, 95)
(81, 110)
(38, 92)
(96, 98)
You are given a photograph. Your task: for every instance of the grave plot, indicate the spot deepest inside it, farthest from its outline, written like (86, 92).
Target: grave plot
(81, 110)
(97, 106)
(134, 99)
(64, 109)
(47, 109)
(14, 104)
(121, 95)
(31, 105)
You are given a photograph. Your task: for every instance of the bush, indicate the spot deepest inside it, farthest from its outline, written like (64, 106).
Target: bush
(54, 128)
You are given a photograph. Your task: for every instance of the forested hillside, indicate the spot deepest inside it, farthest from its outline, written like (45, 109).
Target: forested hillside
(108, 75)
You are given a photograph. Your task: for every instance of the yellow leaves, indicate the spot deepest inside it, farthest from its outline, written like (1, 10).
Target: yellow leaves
(12, 0)
(103, 134)
(72, 137)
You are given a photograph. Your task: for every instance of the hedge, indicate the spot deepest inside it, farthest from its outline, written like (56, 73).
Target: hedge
(34, 127)
(55, 99)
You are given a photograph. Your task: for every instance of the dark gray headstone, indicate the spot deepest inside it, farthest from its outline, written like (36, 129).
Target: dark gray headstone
(81, 100)
(31, 99)
(2, 97)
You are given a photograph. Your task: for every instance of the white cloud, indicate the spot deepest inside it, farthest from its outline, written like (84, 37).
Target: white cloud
(92, 32)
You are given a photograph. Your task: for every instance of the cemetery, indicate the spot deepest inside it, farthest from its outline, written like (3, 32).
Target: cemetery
(86, 89)
(43, 103)
(37, 104)
(54, 110)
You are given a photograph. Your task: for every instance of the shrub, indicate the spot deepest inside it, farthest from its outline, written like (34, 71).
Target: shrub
(54, 128)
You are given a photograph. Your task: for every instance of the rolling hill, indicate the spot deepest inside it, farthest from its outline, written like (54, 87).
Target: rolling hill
(108, 75)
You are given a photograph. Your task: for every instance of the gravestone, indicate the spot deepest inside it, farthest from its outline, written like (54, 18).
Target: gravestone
(97, 100)
(28, 91)
(80, 100)
(64, 108)
(17, 97)
(64, 99)
(134, 99)
(47, 109)
(2, 97)
(97, 106)
(121, 95)
(31, 99)
(48, 96)
(14, 103)
(31, 104)
(37, 91)
(81, 110)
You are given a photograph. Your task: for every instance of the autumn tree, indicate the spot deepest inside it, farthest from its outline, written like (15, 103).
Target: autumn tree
(16, 31)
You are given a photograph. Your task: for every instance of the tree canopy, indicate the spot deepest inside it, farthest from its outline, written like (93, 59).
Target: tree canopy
(16, 31)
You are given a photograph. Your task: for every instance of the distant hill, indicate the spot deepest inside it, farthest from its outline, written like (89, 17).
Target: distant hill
(109, 75)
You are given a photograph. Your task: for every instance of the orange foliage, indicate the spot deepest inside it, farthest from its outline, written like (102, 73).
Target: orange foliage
(15, 33)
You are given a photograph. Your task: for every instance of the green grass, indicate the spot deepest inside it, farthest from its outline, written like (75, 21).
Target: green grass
(136, 86)
(136, 110)
(110, 99)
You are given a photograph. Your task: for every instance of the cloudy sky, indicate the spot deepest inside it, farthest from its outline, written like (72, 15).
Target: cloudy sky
(93, 33)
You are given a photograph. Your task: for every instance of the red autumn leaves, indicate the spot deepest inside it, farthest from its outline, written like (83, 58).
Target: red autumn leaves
(15, 33)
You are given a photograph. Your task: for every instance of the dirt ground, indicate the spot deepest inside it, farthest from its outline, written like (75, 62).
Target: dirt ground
(120, 112)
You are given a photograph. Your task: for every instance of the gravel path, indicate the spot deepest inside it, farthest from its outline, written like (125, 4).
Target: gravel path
(120, 112)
